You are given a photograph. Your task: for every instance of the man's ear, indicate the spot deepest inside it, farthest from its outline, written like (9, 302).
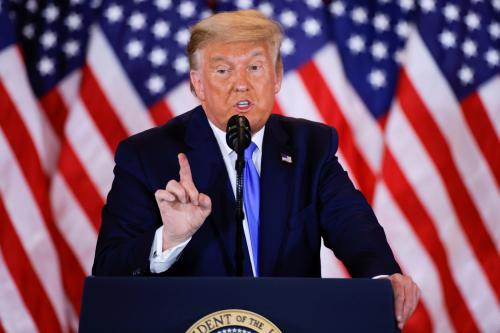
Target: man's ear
(279, 79)
(195, 77)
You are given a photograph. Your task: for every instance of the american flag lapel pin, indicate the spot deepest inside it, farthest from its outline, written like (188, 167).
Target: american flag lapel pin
(286, 158)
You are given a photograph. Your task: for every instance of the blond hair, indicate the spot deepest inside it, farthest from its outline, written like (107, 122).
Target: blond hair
(238, 26)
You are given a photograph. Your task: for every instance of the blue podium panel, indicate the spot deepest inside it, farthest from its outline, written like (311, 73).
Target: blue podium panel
(293, 305)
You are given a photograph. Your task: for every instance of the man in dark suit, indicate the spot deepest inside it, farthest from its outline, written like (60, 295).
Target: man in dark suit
(155, 224)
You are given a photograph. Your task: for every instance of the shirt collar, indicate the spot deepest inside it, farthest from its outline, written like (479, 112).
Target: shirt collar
(220, 135)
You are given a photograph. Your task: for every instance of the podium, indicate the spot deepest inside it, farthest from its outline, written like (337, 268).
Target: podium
(206, 305)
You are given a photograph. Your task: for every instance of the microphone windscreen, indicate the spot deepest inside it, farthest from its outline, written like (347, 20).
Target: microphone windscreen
(238, 133)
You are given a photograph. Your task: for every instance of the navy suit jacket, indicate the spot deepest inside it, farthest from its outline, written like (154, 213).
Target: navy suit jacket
(302, 201)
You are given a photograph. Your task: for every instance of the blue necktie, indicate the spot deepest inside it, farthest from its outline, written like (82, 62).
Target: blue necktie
(251, 200)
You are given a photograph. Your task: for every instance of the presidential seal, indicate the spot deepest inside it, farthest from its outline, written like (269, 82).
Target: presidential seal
(233, 321)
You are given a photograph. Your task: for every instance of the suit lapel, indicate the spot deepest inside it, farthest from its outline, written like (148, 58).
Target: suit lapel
(210, 177)
(276, 172)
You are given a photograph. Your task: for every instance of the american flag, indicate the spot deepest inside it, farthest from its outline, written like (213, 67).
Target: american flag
(413, 88)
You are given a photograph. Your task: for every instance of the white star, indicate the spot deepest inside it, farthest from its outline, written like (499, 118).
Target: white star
(469, 48)
(155, 84)
(359, 15)
(496, 5)
(288, 18)
(186, 9)
(134, 49)
(466, 75)
(379, 50)
(356, 44)
(75, 2)
(73, 21)
(29, 31)
(158, 57)
(51, 13)
(32, 5)
(163, 4)
(160, 29)
(48, 39)
(472, 21)
(71, 48)
(114, 13)
(403, 29)
(182, 37)
(492, 57)
(287, 46)
(337, 8)
(407, 5)
(244, 4)
(447, 39)
(46, 66)
(376, 78)
(137, 21)
(381, 22)
(451, 12)
(266, 8)
(427, 6)
(314, 4)
(494, 30)
(181, 65)
(311, 27)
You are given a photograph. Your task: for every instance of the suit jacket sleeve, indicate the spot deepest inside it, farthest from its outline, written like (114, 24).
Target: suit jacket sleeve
(349, 225)
(129, 219)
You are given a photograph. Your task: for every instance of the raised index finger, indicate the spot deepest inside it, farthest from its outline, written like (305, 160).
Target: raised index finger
(185, 171)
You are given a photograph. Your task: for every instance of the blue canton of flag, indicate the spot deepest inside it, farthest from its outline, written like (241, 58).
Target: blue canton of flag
(464, 39)
(150, 38)
(53, 37)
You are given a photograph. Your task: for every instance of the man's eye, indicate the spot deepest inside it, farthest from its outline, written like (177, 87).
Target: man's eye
(254, 67)
(222, 71)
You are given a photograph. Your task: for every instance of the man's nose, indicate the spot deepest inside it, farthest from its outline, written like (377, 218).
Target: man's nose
(242, 83)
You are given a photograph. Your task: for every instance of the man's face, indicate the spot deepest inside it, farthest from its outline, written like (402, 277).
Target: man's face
(237, 78)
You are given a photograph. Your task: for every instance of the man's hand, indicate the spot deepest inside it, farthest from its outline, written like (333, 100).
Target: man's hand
(183, 210)
(406, 295)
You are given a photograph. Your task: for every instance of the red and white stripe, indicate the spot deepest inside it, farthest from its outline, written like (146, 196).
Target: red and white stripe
(489, 97)
(181, 99)
(365, 130)
(413, 259)
(113, 82)
(26, 225)
(428, 186)
(14, 315)
(465, 153)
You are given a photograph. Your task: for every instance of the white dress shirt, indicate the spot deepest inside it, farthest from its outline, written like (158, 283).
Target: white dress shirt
(160, 261)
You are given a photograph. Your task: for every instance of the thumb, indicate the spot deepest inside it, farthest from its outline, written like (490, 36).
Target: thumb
(205, 203)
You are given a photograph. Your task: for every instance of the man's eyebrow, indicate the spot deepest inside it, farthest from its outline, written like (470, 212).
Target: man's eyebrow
(257, 53)
(217, 58)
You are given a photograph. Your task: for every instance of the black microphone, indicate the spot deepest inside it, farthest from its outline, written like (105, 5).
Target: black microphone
(238, 134)
(238, 137)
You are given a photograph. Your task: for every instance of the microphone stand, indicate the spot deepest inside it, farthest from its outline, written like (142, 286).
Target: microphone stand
(238, 137)
(240, 165)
